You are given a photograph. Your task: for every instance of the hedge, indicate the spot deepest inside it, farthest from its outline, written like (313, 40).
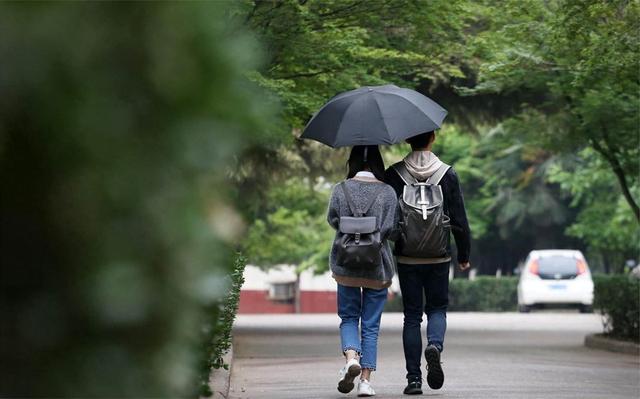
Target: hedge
(217, 331)
(617, 297)
(119, 126)
(483, 294)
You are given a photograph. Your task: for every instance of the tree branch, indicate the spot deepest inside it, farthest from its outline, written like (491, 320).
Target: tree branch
(607, 153)
(251, 13)
(303, 74)
(339, 10)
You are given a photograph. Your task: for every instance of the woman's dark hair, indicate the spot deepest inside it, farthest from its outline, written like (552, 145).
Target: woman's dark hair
(374, 162)
(421, 140)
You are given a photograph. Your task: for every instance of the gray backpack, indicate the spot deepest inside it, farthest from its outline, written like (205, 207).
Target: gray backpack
(425, 227)
(358, 242)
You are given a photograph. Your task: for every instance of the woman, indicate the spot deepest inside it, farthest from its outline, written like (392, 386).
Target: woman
(362, 291)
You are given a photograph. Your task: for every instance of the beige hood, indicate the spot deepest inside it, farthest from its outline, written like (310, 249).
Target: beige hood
(422, 164)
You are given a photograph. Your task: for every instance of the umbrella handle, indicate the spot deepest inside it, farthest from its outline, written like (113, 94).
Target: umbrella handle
(365, 153)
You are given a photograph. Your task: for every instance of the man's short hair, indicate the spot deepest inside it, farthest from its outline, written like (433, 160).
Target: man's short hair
(420, 141)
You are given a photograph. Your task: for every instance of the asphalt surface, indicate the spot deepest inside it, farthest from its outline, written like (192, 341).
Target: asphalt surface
(487, 355)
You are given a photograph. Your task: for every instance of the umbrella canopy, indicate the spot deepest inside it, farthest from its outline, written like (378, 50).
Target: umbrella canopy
(374, 115)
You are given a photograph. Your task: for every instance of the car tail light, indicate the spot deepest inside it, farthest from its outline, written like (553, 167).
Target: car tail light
(533, 267)
(582, 266)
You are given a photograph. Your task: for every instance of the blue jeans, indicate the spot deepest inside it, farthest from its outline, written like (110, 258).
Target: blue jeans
(361, 307)
(418, 282)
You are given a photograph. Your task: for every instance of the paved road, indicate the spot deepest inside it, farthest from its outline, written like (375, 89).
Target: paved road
(496, 356)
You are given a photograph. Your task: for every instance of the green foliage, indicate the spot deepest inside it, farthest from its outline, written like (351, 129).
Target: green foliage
(320, 48)
(486, 294)
(317, 49)
(515, 183)
(117, 122)
(582, 59)
(511, 205)
(294, 229)
(551, 79)
(604, 222)
(217, 329)
(618, 299)
(575, 64)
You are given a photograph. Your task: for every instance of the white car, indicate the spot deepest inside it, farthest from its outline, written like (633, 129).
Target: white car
(555, 277)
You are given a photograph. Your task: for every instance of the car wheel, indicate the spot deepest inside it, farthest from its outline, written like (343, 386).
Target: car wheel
(524, 308)
(586, 309)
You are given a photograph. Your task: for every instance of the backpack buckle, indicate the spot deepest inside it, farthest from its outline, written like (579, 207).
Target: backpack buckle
(357, 236)
(423, 201)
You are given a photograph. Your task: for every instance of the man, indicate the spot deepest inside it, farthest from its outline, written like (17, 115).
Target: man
(428, 275)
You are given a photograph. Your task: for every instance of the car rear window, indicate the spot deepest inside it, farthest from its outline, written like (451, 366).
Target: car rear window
(557, 265)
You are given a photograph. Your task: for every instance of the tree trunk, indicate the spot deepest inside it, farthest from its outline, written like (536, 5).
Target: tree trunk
(620, 175)
(606, 262)
(296, 298)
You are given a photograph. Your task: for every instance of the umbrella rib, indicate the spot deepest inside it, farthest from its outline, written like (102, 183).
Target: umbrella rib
(437, 125)
(330, 102)
(422, 112)
(344, 113)
(386, 128)
(346, 95)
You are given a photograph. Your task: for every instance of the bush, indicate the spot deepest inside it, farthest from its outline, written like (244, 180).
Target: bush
(617, 298)
(217, 332)
(118, 126)
(484, 294)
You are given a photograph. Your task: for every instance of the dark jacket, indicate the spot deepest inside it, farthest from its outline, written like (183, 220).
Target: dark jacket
(453, 207)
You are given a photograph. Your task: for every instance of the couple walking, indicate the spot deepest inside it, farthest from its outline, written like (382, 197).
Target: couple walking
(415, 204)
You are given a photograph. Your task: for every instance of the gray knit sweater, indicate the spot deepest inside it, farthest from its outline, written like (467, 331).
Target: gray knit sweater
(384, 208)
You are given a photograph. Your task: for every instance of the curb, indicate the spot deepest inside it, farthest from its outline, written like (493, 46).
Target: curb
(220, 379)
(598, 341)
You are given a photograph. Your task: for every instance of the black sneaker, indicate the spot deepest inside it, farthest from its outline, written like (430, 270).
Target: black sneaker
(435, 375)
(414, 387)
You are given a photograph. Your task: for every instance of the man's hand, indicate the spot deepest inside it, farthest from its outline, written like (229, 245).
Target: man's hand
(464, 266)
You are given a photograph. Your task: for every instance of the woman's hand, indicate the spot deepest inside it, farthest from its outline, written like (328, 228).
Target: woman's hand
(464, 266)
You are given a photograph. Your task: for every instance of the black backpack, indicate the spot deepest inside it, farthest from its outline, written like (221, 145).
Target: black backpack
(425, 227)
(358, 241)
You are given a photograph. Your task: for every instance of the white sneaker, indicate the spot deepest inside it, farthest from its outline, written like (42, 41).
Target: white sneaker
(365, 389)
(347, 374)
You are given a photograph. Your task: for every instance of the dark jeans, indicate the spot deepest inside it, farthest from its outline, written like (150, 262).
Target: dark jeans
(432, 281)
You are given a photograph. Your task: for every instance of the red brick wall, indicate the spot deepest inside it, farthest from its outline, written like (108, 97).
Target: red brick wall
(259, 302)
(253, 301)
(318, 302)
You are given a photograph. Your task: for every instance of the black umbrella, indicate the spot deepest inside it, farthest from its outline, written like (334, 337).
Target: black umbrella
(374, 115)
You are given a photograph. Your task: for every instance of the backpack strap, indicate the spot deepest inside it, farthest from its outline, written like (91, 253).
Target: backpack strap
(347, 195)
(439, 174)
(352, 205)
(404, 174)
